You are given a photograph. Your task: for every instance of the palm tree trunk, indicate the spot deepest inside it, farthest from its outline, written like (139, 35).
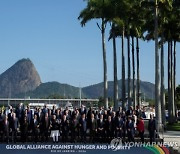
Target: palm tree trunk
(162, 85)
(129, 72)
(123, 73)
(157, 74)
(134, 82)
(115, 72)
(169, 84)
(172, 83)
(138, 76)
(104, 64)
(175, 75)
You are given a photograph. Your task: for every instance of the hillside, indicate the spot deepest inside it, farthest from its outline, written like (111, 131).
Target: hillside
(19, 78)
(94, 91)
(22, 80)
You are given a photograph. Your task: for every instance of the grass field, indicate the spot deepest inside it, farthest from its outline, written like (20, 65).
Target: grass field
(174, 127)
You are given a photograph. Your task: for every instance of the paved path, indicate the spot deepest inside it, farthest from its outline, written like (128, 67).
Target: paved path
(172, 136)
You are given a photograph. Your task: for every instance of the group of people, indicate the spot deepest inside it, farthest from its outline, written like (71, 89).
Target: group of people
(80, 124)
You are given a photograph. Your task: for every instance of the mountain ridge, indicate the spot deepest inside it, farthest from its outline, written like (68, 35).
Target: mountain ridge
(25, 82)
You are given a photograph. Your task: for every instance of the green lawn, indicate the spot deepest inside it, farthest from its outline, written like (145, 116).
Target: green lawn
(174, 127)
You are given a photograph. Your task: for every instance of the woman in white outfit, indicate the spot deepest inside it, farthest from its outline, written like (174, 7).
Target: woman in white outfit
(55, 129)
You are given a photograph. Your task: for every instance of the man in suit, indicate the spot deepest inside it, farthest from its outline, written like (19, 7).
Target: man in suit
(46, 127)
(65, 128)
(110, 111)
(119, 124)
(100, 128)
(105, 116)
(74, 128)
(113, 119)
(108, 129)
(24, 129)
(6, 129)
(90, 111)
(15, 127)
(83, 127)
(129, 112)
(35, 128)
(45, 110)
(119, 112)
(93, 128)
(152, 128)
(130, 129)
(82, 110)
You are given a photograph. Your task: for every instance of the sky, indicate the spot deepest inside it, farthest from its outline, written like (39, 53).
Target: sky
(49, 33)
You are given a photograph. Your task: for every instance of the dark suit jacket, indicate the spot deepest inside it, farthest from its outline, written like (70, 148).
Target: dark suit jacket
(100, 124)
(93, 124)
(83, 124)
(108, 126)
(152, 125)
(64, 125)
(15, 123)
(6, 126)
(119, 123)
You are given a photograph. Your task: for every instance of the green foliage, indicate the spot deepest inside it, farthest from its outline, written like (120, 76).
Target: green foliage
(173, 127)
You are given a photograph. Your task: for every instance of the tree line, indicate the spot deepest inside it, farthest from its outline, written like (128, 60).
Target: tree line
(147, 20)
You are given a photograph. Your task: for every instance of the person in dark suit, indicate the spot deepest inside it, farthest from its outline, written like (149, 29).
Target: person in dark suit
(119, 124)
(41, 126)
(119, 112)
(53, 111)
(101, 111)
(110, 111)
(129, 112)
(83, 127)
(45, 110)
(105, 116)
(35, 128)
(130, 129)
(10, 118)
(113, 119)
(100, 128)
(108, 128)
(65, 128)
(15, 127)
(45, 127)
(24, 130)
(152, 128)
(93, 128)
(82, 110)
(6, 129)
(74, 128)
(90, 111)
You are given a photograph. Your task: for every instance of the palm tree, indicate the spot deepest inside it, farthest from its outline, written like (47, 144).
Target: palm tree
(137, 30)
(113, 37)
(133, 66)
(172, 28)
(95, 9)
(115, 70)
(129, 69)
(162, 84)
(138, 74)
(119, 19)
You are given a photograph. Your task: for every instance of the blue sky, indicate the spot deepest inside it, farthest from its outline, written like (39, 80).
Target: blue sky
(49, 33)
